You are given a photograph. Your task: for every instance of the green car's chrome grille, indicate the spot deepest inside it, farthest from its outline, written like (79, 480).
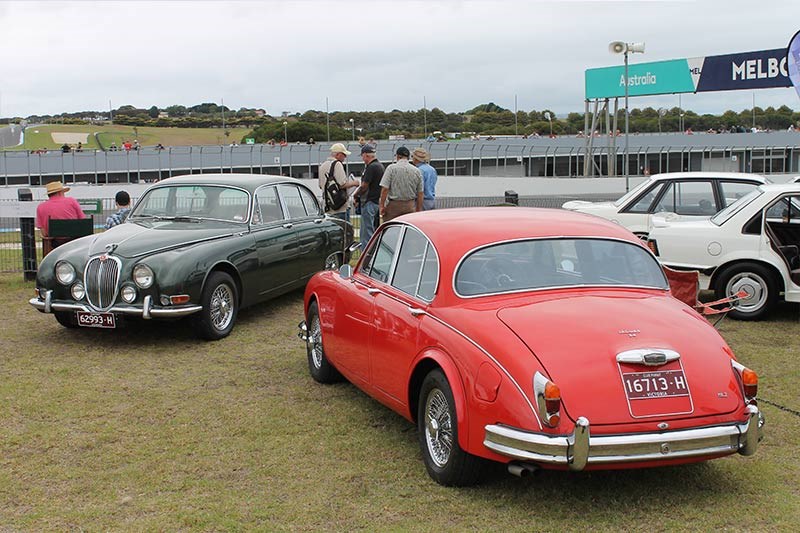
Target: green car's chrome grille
(101, 278)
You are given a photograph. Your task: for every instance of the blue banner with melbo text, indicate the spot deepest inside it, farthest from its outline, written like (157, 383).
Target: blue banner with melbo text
(749, 70)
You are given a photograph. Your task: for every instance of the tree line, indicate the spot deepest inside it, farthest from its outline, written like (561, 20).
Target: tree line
(485, 119)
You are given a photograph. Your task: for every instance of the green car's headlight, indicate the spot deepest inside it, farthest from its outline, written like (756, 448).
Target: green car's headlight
(143, 276)
(128, 293)
(78, 291)
(65, 273)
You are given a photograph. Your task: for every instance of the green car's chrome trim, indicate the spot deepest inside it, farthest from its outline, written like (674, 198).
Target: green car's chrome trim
(146, 311)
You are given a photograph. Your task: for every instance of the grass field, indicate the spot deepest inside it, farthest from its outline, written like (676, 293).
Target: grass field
(38, 137)
(147, 428)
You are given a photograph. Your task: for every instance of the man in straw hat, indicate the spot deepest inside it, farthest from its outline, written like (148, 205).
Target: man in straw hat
(421, 159)
(335, 164)
(57, 206)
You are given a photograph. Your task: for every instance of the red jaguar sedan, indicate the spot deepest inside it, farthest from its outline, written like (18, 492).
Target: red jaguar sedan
(537, 338)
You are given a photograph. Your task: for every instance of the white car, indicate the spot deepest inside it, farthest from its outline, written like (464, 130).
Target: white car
(753, 246)
(692, 195)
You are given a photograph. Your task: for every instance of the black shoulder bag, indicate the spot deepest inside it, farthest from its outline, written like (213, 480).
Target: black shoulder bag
(335, 194)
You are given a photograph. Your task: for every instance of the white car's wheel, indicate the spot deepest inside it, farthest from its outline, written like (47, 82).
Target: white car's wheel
(756, 281)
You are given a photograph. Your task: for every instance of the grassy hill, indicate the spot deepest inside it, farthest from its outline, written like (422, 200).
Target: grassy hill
(37, 137)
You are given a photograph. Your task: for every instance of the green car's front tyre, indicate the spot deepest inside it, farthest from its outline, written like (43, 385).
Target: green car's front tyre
(220, 301)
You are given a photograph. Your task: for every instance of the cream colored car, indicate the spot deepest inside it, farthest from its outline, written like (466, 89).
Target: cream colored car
(753, 245)
(690, 195)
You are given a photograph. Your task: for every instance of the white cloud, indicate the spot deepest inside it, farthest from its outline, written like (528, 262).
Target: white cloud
(368, 54)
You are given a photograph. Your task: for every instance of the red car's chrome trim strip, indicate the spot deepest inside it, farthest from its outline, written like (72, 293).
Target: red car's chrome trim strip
(496, 362)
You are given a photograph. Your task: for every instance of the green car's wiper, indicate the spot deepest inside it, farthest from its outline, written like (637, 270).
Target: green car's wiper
(170, 218)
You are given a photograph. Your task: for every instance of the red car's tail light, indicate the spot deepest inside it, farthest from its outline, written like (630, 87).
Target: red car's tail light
(552, 402)
(750, 384)
(653, 245)
(548, 400)
(749, 381)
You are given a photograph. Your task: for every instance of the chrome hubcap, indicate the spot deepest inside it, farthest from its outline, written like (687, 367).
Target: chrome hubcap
(332, 262)
(221, 307)
(438, 427)
(315, 342)
(754, 285)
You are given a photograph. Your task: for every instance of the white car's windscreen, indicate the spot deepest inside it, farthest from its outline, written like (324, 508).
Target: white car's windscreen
(721, 217)
(633, 192)
(545, 263)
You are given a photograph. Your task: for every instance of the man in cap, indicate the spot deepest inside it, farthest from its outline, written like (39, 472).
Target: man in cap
(370, 193)
(421, 159)
(401, 187)
(57, 206)
(334, 166)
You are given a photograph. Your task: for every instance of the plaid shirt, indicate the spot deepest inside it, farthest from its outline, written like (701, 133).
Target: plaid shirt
(118, 217)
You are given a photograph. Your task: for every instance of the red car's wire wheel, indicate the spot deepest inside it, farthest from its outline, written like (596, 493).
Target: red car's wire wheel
(438, 427)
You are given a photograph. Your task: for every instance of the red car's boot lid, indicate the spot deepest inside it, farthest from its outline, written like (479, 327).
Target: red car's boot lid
(577, 340)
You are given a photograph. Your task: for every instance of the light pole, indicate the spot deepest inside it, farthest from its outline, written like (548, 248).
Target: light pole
(619, 47)
(549, 118)
(661, 112)
(285, 134)
(353, 127)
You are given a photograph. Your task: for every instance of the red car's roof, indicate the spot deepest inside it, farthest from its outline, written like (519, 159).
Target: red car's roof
(464, 229)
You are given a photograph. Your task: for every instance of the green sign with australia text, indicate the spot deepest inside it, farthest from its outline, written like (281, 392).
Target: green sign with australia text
(660, 77)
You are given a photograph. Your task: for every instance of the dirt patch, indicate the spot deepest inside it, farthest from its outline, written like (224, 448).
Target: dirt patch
(69, 138)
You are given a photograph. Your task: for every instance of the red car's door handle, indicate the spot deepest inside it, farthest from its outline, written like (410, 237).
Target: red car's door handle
(416, 312)
(373, 291)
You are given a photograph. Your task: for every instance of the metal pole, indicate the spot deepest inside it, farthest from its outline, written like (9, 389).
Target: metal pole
(627, 170)
(425, 116)
(516, 121)
(754, 110)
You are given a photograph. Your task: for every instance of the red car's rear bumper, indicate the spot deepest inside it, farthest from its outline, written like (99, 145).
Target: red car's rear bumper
(579, 449)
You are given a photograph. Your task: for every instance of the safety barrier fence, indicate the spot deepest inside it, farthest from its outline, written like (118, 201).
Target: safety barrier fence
(562, 157)
(11, 244)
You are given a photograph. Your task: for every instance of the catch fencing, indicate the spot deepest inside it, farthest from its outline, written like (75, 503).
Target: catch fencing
(11, 245)
(767, 153)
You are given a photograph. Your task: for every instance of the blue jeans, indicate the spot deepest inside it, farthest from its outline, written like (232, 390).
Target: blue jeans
(344, 215)
(369, 215)
(428, 204)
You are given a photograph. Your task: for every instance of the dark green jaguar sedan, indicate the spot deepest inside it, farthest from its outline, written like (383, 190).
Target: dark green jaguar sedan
(200, 245)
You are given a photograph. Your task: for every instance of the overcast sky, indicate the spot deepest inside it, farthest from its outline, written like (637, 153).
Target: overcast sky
(289, 55)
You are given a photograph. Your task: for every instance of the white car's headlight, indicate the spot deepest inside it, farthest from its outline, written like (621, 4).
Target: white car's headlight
(128, 293)
(143, 276)
(78, 291)
(65, 273)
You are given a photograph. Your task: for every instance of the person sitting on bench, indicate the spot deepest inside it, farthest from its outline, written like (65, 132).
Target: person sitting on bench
(57, 206)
